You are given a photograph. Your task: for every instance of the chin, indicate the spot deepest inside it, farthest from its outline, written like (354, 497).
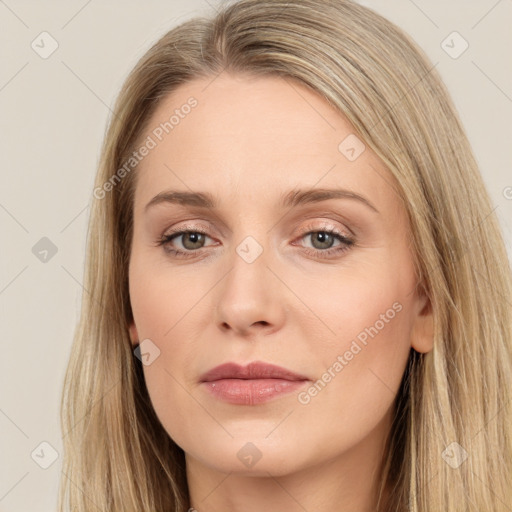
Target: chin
(259, 457)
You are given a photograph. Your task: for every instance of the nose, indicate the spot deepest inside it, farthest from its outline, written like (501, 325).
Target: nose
(250, 299)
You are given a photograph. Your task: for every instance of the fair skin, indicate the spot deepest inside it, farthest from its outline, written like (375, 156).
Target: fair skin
(248, 143)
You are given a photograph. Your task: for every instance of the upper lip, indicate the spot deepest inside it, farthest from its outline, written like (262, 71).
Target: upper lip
(254, 370)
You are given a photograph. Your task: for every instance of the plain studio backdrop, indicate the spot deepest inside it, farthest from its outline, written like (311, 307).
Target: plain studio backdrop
(62, 66)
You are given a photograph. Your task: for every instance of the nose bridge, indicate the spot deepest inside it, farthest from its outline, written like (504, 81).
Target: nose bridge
(251, 243)
(249, 262)
(251, 234)
(248, 293)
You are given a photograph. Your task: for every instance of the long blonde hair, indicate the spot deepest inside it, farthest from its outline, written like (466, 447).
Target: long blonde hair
(455, 401)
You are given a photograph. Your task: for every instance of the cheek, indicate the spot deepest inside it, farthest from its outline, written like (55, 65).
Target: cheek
(364, 359)
(159, 299)
(162, 306)
(364, 304)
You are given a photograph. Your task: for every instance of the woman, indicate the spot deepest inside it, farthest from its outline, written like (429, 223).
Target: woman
(297, 297)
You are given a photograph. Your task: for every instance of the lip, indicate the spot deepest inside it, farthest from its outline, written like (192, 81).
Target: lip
(255, 383)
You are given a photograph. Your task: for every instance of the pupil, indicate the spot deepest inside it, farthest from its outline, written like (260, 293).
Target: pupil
(323, 238)
(193, 239)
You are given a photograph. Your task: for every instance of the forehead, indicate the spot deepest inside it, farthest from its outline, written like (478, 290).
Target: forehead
(240, 135)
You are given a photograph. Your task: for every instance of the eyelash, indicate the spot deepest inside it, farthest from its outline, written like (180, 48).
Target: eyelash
(347, 242)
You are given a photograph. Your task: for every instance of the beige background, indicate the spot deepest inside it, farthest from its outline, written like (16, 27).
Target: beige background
(53, 116)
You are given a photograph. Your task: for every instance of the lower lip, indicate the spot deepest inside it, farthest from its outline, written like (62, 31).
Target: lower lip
(251, 391)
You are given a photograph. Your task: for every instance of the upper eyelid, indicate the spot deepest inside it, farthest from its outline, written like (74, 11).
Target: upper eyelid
(325, 226)
(308, 218)
(305, 230)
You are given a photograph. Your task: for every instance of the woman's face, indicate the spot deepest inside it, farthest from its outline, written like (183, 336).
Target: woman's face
(297, 256)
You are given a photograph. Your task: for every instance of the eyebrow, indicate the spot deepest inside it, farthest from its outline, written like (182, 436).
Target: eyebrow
(294, 198)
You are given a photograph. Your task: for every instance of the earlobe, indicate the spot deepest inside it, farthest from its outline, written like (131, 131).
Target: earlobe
(422, 336)
(134, 336)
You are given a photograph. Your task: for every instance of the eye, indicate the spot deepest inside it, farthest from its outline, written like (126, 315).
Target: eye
(323, 240)
(192, 240)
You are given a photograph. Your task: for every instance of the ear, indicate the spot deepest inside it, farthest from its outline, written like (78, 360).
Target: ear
(422, 336)
(134, 336)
